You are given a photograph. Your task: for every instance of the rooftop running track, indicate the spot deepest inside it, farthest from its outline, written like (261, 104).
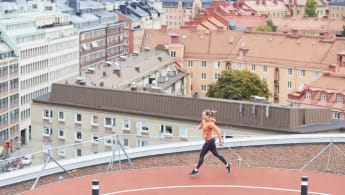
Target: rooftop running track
(211, 180)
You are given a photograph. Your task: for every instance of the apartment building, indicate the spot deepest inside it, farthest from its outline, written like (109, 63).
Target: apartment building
(100, 32)
(133, 33)
(9, 96)
(177, 12)
(326, 92)
(141, 119)
(285, 61)
(47, 48)
(336, 9)
(152, 70)
(269, 8)
(298, 7)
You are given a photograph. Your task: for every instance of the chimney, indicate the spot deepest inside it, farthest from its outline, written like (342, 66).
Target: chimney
(294, 33)
(174, 38)
(295, 2)
(257, 2)
(328, 37)
(164, 28)
(340, 60)
(263, 2)
(250, 29)
(290, 2)
(275, 2)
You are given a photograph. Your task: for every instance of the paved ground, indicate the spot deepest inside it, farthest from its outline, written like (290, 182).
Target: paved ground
(211, 180)
(286, 157)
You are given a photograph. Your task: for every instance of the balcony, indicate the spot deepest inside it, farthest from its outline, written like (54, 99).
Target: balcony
(276, 83)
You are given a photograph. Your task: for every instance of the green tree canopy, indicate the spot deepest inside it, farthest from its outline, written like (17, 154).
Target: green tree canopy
(343, 32)
(238, 85)
(270, 24)
(310, 8)
(264, 28)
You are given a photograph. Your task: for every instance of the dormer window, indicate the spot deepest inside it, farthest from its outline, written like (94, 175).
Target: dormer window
(308, 95)
(323, 98)
(340, 100)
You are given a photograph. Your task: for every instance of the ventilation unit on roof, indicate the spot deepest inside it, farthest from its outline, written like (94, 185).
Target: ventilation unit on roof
(183, 36)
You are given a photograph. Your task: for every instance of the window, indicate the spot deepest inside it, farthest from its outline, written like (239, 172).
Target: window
(190, 63)
(61, 151)
(289, 71)
(253, 67)
(166, 130)
(78, 152)
(46, 148)
(47, 113)
(126, 25)
(315, 75)
(94, 120)
(78, 136)
(47, 131)
(183, 132)
(308, 95)
(203, 88)
(203, 64)
(61, 133)
(125, 34)
(125, 142)
(217, 64)
(289, 85)
(340, 99)
(173, 54)
(238, 66)
(203, 76)
(336, 115)
(142, 143)
(61, 116)
(216, 76)
(264, 68)
(94, 138)
(78, 118)
(302, 73)
(323, 98)
(109, 122)
(108, 140)
(142, 126)
(126, 124)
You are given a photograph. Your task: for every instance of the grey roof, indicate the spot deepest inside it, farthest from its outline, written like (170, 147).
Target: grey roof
(337, 2)
(336, 124)
(232, 113)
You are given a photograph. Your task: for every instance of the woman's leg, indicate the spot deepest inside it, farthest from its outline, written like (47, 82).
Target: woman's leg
(214, 151)
(203, 152)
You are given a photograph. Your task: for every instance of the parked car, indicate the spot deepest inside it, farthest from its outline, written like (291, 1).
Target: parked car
(26, 160)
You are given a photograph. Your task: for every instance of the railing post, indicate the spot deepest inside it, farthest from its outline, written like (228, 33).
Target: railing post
(304, 185)
(95, 187)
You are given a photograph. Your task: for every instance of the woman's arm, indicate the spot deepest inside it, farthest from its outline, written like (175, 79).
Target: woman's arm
(214, 127)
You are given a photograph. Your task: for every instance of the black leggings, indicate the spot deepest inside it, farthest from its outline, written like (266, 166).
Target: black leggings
(209, 145)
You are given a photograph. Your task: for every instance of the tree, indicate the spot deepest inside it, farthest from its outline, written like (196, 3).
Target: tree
(238, 85)
(270, 24)
(310, 8)
(264, 28)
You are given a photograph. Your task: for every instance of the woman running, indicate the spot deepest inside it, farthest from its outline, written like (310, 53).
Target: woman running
(207, 125)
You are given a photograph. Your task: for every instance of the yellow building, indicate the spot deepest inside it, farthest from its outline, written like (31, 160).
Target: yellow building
(285, 61)
(80, 126)
(298, 7)
(270, 8)
(337, 9)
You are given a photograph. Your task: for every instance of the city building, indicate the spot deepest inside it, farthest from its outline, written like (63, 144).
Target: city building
(309, 26)
(225, 15)
(269, 8)
(328, 91)
(100, 32)
(152, 70)
(63, 118)
(298, 7)
(9, 97)
(285, 61)
(177, 12)
(133, 33)
(47, 48)
(149, 15)
(336, 9)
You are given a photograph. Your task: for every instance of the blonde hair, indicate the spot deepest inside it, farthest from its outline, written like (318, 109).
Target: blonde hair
(210, 113)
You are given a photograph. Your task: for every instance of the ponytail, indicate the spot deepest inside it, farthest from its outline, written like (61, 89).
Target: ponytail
(210, 113)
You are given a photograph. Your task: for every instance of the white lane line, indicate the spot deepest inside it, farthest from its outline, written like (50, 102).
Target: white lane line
(211, 186)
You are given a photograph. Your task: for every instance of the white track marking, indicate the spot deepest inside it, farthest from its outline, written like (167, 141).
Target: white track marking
(211, 186)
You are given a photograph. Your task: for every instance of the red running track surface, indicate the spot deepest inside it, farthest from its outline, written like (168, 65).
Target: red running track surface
(211, 180)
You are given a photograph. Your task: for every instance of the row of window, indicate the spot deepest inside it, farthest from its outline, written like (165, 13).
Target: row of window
(34, 81)
(109, 122)
(14, 115)
(323, 98)
(14, 99)
(92, 34)
(56, 47)
(62, 59)
(28, 97)
(4, 70)
(34, 67)
(13, 84)
(33, 52)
